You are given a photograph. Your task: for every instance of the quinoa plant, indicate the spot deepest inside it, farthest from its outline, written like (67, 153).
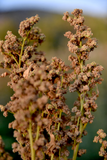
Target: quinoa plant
(44, 125)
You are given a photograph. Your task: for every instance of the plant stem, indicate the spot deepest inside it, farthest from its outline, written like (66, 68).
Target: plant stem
(31, 142)
(37, 134)
(60, 113)
(52, 156)
(22, 51)
(9, 54)
(75, 152)
(61, 81)
(81, 127)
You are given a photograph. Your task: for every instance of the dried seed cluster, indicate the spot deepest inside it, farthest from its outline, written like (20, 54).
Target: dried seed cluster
(85, 77)
(99, 138)
(44, 126)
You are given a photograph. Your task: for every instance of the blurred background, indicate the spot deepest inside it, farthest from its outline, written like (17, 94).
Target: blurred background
(12, 12)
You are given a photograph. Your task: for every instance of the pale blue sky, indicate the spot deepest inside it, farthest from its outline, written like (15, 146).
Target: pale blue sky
(92, 7)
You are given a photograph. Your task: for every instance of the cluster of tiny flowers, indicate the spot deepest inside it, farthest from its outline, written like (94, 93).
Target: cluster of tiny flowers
(28, 81)
(99, 138)
(44, 126)
(85, 77)
(38, 103)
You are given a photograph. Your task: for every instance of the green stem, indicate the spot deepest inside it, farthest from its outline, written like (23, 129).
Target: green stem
(80, 44)
(22, 51)
(9, 54)
(82, 103)
(25, 38)
(60, 113)
(37, 134)
(81, 65)
(24, 157)
(65, 158)
(31, 142)
(52, 156)
(76, 148)
(82, 127)
(75, 152)
(61, 81)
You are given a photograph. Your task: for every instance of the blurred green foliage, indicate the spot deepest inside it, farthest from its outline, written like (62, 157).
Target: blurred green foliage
(56, 45)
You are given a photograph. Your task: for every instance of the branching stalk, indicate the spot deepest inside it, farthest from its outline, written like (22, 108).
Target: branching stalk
(22, 51)
(9, 54)
(81, 127)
